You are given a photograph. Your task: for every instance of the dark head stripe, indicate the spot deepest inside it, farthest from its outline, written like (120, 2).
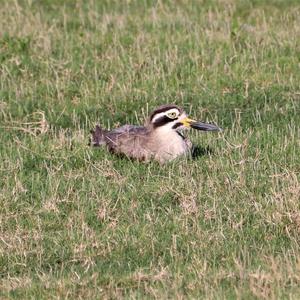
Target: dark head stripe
(162, 121)
(176, 125)
(163, 108)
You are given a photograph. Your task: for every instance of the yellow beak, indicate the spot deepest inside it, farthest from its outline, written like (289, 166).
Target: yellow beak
(187, 122)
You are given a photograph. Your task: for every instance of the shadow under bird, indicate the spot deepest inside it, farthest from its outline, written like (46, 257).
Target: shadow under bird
(161, 138)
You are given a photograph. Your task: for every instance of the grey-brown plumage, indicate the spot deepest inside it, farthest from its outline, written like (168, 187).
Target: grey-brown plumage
(160, 139)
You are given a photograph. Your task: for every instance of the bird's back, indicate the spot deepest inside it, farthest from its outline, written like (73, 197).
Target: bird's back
(129, 140)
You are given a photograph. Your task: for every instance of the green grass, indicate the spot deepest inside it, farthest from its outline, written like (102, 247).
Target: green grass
(79, 223)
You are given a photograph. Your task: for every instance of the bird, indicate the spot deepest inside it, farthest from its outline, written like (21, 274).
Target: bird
(160, 139)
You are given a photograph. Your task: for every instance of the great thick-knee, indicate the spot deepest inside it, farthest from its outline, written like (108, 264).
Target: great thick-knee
(160, 139)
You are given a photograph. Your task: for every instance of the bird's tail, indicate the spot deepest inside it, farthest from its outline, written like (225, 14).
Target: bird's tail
(98, 136)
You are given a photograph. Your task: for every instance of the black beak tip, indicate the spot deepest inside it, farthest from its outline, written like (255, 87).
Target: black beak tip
(205, 127)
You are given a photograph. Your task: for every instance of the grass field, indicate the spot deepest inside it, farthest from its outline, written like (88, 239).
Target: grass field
(80, 223)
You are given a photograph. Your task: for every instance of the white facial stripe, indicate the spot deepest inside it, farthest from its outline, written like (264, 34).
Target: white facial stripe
(165, 113)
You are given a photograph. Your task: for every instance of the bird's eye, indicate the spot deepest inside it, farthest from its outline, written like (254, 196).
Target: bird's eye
(172, 115)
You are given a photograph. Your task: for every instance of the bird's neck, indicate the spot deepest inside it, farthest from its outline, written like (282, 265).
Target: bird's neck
(167, 134)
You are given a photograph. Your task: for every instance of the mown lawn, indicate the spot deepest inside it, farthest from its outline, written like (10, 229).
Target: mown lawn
(80, 223)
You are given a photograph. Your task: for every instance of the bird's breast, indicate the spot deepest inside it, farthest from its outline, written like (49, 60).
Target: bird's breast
(169, 145)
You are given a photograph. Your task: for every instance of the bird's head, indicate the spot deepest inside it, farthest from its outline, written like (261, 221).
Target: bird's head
(171, 117)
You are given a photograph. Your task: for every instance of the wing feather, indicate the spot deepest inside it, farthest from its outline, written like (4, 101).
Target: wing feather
(129, 140)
